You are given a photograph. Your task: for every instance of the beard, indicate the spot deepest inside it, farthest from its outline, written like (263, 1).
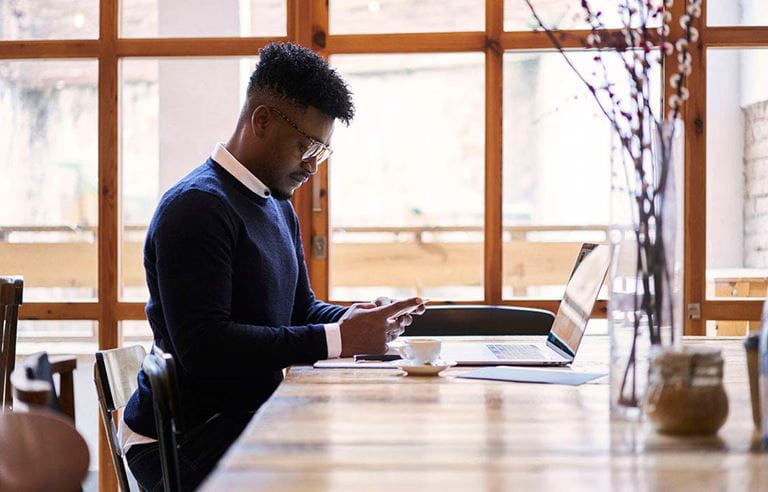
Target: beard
(281, 195)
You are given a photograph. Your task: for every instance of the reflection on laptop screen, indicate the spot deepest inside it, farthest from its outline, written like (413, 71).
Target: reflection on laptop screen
(580, 296)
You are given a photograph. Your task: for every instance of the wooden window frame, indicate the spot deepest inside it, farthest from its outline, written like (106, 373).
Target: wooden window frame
(308, 25)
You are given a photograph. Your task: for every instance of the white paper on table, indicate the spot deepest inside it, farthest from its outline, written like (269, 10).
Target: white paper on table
(349, 363)
(528, 375)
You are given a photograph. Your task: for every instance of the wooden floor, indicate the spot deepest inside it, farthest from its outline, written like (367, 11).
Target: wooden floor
(337, 429)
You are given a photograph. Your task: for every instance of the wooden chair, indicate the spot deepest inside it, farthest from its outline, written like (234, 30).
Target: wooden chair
(11, 293)
(115, 374)
(33, 383)
(160, 368)
(40, 449)
(481, 321)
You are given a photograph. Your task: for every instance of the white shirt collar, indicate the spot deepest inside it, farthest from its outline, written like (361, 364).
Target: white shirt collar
(226, 160)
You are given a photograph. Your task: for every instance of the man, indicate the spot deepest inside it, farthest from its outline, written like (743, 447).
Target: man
(229, 294)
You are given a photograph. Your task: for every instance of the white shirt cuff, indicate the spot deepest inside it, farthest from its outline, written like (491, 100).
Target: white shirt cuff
(333, 339)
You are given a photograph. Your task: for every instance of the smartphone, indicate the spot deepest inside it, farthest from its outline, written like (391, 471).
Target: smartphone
(376, 357)
(411, 309)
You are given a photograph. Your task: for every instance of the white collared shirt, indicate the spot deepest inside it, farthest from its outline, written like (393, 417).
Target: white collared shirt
(225, 159)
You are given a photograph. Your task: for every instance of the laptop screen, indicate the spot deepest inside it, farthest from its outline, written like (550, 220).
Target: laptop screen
(580, 296)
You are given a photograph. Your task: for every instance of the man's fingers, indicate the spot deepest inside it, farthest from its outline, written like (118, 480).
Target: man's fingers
(354, 307)
(394, 330)
(420, 310)
(363, 305)
(382, 301)
(399, 308)
(405, 320)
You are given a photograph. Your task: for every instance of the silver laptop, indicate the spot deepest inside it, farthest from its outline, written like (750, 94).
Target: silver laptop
(563, 341)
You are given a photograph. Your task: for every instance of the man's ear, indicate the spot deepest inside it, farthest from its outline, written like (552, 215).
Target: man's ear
(260, 120)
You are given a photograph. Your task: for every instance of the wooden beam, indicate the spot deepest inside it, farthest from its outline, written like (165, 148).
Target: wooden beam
(308, 26)
(734, 37)
(60, 310)
(695, 184)
(406, 43)
(300, 32)
(538, 40)
(109, 222)
(50, 49)
(192, 46)
(317, 193)
(494, 96)
(130, 311)
(732, 310)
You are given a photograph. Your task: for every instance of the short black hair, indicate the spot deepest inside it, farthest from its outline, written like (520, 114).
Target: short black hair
(292, 71)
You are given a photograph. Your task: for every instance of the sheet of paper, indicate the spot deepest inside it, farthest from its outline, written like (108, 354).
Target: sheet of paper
(349, 363)
(527, 375)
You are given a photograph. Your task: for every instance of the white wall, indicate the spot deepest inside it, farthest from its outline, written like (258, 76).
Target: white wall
(725, 167)
(736, 80)
(754, 63)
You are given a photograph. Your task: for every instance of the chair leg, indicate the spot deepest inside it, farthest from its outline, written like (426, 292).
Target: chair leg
(67, 394)
(5, 367)
(64, 366)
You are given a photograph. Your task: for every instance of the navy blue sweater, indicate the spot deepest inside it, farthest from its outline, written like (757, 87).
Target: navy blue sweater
(229, 297)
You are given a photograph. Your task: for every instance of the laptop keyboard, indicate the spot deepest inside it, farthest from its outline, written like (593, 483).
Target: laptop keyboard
(515, 351)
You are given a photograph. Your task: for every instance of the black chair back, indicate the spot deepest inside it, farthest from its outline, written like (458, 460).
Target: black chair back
(471, 320)
(161, 371)
(115, 377)
(11, 295)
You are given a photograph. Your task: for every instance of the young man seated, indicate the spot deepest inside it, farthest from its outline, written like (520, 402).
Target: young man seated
(229, 294)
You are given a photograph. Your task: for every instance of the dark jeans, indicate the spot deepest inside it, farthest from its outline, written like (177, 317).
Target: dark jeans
(199, 450)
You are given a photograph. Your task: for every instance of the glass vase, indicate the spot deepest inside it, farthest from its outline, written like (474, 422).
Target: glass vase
(645, 306)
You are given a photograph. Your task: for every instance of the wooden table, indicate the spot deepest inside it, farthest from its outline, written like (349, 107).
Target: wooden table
(339, 429)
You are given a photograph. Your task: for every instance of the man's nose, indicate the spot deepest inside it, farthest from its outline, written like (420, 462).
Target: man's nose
(311, 165)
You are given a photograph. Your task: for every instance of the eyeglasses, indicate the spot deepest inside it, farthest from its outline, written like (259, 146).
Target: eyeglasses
(316, 149)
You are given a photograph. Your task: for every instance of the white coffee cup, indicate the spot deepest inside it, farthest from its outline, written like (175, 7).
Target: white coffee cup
(421, 350)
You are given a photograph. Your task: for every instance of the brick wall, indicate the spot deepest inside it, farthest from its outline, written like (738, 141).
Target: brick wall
(756, 185)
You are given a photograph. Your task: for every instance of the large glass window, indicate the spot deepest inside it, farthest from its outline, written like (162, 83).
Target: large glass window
(135, 332)
(737, 173)
(80, 336)
(407, 178)
(172, 114)
(202, 18)
(566, 14)
(49, 19)
(557, 165)
(737, 12)
(48, 176)
(395, 16)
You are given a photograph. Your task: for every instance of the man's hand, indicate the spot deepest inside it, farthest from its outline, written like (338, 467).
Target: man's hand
(364, 326)
(403, 321)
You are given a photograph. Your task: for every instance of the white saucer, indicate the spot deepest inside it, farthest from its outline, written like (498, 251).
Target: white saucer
(414, 369)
